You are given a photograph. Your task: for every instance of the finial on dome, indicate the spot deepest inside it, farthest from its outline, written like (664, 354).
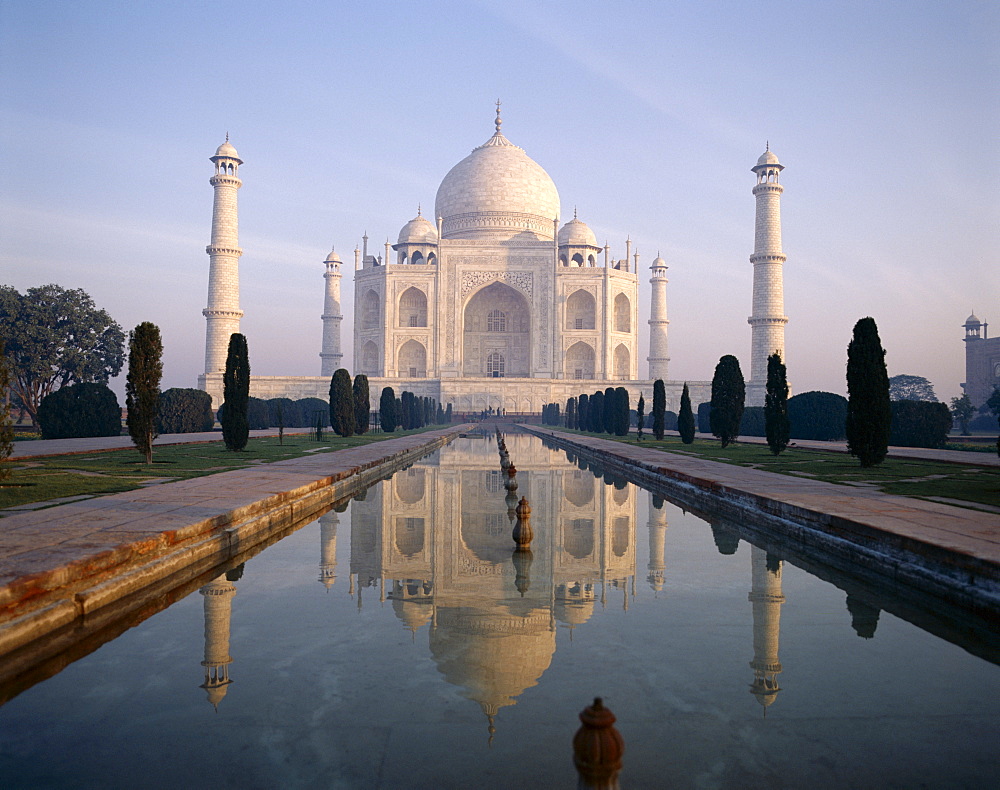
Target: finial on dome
(227, 136)
(574, 212)
(498, 121)
(418, 210)
(767, 145)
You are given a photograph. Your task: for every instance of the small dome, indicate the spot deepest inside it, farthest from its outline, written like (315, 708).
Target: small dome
(577, 233)
(659, 263)
(768, 158)
(973, 320)
(418, 230)
(227, 150)
(333, 258)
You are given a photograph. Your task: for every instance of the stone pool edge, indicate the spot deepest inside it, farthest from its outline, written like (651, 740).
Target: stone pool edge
(864, 541)
(206, 528)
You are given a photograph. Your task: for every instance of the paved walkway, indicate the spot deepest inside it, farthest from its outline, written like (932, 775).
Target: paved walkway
(967, 541)
(62, 562)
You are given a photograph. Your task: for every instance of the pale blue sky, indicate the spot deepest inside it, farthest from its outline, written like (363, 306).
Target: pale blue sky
(648, 116)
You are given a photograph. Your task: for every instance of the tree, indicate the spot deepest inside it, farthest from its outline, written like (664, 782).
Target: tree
(817, 415)
(776, 425)
(685, 420)
(609, 410)
(236, 394)
(54, 338)
(362, 403)
(80, 410)
(387, 410)
(962, 411)
(342, 417)
(619, 424)
(728, 396)
(869, 415)
(6, 423)
(903, 387)
(918, 423)
(640, 416)
(993, 404)
(447, 415)
(596, 411)
(583, 412)
(571, 412)
(142, 386)
(659, 407)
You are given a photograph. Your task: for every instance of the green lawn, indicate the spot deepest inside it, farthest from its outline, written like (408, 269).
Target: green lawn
(913, 478)
(53, 477)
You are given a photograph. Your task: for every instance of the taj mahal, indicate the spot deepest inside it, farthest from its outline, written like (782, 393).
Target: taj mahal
(493, 304)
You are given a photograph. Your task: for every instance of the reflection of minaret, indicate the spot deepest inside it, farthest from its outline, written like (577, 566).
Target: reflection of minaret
(766, 597)
(657, 541)
(328, 548)
(218, 607)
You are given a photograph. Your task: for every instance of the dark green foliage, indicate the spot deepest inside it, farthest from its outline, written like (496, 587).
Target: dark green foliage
(659, 407)
(54, 337)
(342, 418)
(142, 386)
(258, 418)
(869, 415)
(440, 415)
(904, 387)
(963, 411)
(753, 422)
(704, 414)
(185, 411)
(583, 412)
(669, 420)
(362, 403)
(993, 404)
(387, 410)
(619, 424)
(291, 414)
(726, 541)
(596, 412)
(236, 394)
(776, 425)
(609, 410)
(817, 415)
(406, 416)
(919, 423)
(728, 395)
(685, 419)
(571, 412)
(640, 416)
(447, 415)
(309, 409)
(6, 421)
(80, 410)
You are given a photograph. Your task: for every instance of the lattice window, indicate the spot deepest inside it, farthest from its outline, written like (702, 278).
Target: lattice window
(496, 321)
(495, 365)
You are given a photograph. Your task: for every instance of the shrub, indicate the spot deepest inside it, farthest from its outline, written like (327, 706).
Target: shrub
(917, 423)
(705, 417)
(291, 416)
(753, 421)
(387, 410)
(728, 397)
(184, 411)
(257, 414)
(310, 409)
(80, 410)
(817, 415)
(342, 418)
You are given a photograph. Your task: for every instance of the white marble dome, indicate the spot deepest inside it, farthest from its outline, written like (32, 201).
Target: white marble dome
(332, 257)
(418, 230)
(767, 158)
(497, 192)
(577, 233)
(227, 150)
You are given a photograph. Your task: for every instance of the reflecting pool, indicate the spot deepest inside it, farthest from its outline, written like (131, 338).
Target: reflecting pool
(403, 643)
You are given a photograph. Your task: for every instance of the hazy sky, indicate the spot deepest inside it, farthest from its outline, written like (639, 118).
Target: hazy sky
(647, 115)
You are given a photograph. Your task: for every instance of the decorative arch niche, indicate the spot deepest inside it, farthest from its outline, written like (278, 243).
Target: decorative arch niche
(497, 325)
(581, 310)
(370, 310)
(622, 362)
(580, 361)
(411, 361)
(369, 359)
(413, 308)
(623, 314)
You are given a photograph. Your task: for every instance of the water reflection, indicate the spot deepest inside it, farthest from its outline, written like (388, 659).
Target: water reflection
(218, 595)
(436, 540)
(766, 598)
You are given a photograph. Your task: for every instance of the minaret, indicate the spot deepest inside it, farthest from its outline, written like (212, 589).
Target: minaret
(332, 317)
(223, 312)
(328, 548)
(218, 608)
(657, 543)
(658, 358)
(768, 319)
(766, 597)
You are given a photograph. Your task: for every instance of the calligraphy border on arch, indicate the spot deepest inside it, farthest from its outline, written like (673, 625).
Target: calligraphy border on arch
(522, 281)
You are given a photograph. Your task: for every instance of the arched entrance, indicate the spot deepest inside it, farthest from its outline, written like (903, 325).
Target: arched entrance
(497, 333)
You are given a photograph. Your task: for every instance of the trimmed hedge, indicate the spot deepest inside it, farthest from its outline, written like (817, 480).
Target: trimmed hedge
(919, 423)
(817, 415)
(184, 411)
(752, 423)
(80, 410)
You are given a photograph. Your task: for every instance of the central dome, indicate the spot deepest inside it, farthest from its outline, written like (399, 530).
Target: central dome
(497, 193)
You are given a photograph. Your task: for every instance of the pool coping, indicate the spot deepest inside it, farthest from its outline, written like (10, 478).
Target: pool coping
(950, 552)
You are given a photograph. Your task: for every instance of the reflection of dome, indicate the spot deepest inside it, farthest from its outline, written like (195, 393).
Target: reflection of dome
(497, 192)
(418, 230)
(575, 604)
(413, 612)
(576, 232)
(492, 656)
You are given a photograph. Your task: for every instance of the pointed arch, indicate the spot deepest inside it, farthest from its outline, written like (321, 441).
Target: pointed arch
(369, 359)
(496, 320)
(580, 361)
(411, 360)
(623, 314)
(371, 310)
(412, 308)
(623, 360)
(581, 310)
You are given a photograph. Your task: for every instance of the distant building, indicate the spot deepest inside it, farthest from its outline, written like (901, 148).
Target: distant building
(982, 362)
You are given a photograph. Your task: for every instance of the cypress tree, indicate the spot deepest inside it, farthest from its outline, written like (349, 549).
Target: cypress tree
(387, 410)
(406, 414)
(728, 396)
(571, 412)
(640, 416)
(439, 416)
(621, 411)
(869, 413)
(685, 420)
(582, 412)
(609, 410)
(236, 394)
(342, 418)
(659, 408)
(447, 415)
(597, 412)
(776, 425)
(142, 386)
(362, 403)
